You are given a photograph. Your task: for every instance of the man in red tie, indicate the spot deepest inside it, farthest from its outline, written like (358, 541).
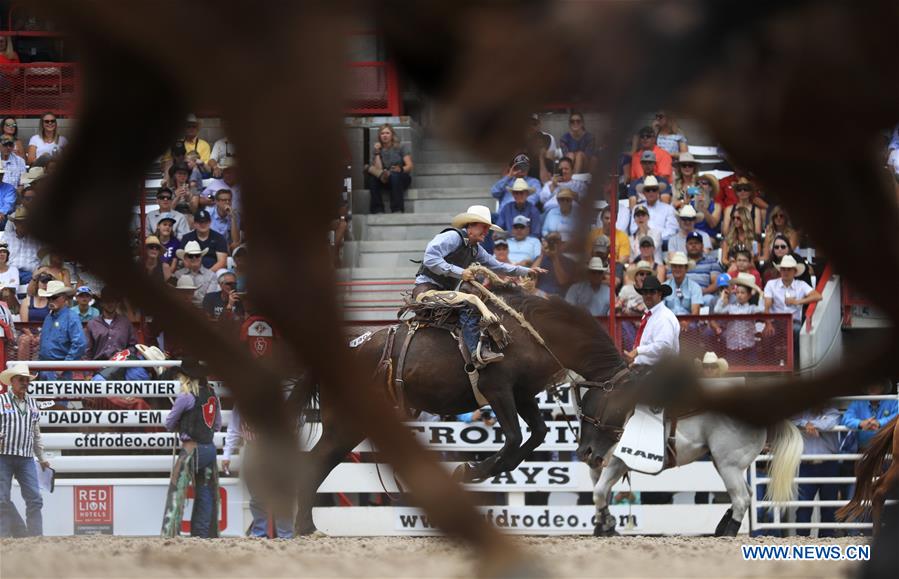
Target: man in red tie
(659, 332)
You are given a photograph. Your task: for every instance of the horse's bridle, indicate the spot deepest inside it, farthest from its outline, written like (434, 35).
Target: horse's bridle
(605, 386)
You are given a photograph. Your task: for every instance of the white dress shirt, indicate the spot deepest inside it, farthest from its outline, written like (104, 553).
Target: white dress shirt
(662, 218)
(661, 337)
(776, 291)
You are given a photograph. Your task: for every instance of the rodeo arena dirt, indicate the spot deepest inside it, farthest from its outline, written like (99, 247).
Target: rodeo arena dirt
(518, 289)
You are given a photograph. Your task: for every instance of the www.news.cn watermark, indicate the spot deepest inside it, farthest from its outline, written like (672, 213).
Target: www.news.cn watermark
(805, 552)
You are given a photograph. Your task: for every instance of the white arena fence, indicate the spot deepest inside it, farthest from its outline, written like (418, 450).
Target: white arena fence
(787, 520)
(97, 464)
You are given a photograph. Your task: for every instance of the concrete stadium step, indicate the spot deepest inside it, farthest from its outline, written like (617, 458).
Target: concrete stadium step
(404, 226)
(458, 169)
(390, 253)
(404, 273)
(483, 180)
(444, 155)
(447, 200)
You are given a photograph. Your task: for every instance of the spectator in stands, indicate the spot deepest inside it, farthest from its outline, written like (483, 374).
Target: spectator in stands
(818, 437)
(11, 165)
(779, 225)
(166, 236)
(9, 275)
(669, 136)
(110, 332)
(202, 278)
(226, 302)
(780, 248)
(217, 256)
(521, 206)
(622, 241)
(192, 140)
(391, 170)
(20, 446)
(705, 268)
(648, 162)
(523, 247)
(62, 338)
(86, 312)
(744, 190)
(600, 249)
(241, 256)
(630, 302)
(592, 293)
(561, 180)
(685, 186)
(561, 219)
(179, 183)
(22, 247)
(221, 149)
(11, 300)
(7, 52)
(708, 211)
(501, 251)
(579, 144)
(559, 268)
(47, 141)
(35, 307)
(686, 219)
(165, 197)
(662, 216)
(646, 251)
(742, 263)
(740, 232)
(155, 267)
(229, 180)
(646, 142)
(869, 416)
(7, 200)
(198, 169)
(10, 128)
(686, 295)
(53, 263)
(642, 229)
(787, 295)
(225, 220)
(739, 335)
(503, 191)
(542, 147)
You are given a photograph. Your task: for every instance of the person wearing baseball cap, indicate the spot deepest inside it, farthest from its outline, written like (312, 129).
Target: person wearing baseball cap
(215, 244)
(180, 226)
(592, 293)
(83, 298)
(11, 165)
(705, 270)
(660, 159)
(686, 219)
(524, 248)
(519, 167)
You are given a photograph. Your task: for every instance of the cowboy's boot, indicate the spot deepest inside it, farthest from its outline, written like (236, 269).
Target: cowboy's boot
(485, 355)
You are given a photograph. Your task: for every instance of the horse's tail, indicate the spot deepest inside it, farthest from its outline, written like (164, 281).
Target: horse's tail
(787, 450)
(304, 398)
(869, 465)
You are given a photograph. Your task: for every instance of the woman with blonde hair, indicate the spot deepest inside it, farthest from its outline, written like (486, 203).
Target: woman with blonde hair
(685, 187)
(47, 141)
(390, 169)
(668, 135)
(744, 189)
(779, 223)
(741, 233)
(708, 212)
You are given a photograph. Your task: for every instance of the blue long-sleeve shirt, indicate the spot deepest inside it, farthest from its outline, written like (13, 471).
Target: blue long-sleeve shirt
(511, 211)
(827, 441)
(860, 410)
(501, 192)
(62, 337)
(7, 198)
(446, 243)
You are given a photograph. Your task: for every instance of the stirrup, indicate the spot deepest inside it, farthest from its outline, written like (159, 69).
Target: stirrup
(481, 362)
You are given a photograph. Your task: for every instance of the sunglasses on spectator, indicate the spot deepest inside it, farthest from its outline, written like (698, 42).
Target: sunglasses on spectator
(707, 183)
(780, 246)
(188, 256)
(49, 121)
(156, 247)
(10, 124)
(7, 144)
(651, 189)
(575, 121)
(229, 283)
(660, 115)
(776, 215)
(520, 226)
(687, 218)
(164, 197)
(742, 188)
(647, 136)
(642, 273)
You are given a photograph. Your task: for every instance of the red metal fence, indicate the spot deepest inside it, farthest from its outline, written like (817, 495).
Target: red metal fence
(37, 87)
(373, 89)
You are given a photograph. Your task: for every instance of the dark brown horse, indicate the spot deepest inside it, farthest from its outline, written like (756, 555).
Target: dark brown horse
(874, 484)
(435, 381)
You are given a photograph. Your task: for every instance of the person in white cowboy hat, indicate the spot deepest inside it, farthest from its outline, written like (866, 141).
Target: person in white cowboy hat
(685, 169)
(788, 294)
(739, 334)
(23, 247)
(20, 444)
(712, 366)
(686, 219)
(444, 266)
(562, 219)
(686, 295)
(201, 278)
(134, 352)
(592, 293)
(662, 217)
(111, 331)
(33, 174)
(522, 207)
(62, 338)
(518, 169)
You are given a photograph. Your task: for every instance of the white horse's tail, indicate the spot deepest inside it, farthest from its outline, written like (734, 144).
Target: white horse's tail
(787, 449)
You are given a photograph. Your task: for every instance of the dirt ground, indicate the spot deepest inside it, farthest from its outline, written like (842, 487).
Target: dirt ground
(322, 556)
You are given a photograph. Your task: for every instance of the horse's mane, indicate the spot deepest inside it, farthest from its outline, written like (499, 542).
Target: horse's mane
(589, 340)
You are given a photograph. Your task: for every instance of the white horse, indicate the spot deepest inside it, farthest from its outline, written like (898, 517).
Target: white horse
(733, 446)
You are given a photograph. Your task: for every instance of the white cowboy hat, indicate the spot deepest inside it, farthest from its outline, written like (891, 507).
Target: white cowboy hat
(192, 248)
(54, 288)
(520, 185)
(685, 158)
(711, 358)
(597, 264)
(687, 212)
(680, 258)
(640, 266)
(185, 282)
(566, 194)
(788, 261)
(15, 370)
(475, 214)
(31, 175)
(651, 181)
(153, 353)
(746, 280)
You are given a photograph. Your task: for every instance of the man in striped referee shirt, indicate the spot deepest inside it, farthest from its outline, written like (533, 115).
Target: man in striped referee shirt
(20, 443)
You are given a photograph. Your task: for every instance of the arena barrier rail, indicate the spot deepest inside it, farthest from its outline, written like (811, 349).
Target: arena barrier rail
(778, 522)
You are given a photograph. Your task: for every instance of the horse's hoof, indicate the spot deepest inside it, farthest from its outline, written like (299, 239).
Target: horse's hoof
(460, 475)
(601, 532)
(305, 529)
(732, 528)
